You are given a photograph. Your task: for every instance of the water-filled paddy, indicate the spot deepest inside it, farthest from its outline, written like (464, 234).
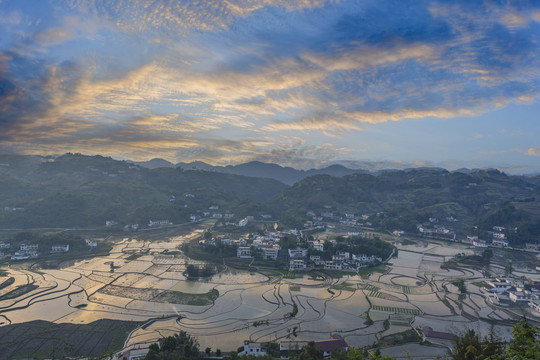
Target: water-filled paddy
(256, 306)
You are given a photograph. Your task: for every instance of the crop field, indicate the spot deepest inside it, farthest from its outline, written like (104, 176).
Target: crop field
(140, 284)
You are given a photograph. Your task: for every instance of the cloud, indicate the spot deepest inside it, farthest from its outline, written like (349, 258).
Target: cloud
(173, 16)
(534, 151)
(180, 77)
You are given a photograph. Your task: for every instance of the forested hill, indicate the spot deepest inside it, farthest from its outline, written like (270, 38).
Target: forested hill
(404, 199)
(80, 191)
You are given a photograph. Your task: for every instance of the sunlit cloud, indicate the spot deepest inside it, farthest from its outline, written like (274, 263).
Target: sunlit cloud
(180, 78)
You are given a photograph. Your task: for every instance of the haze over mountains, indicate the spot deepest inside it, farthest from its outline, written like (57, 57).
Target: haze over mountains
(284, 174)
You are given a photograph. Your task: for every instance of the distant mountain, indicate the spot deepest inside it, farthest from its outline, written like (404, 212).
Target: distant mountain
(286, 175)
(154, 163)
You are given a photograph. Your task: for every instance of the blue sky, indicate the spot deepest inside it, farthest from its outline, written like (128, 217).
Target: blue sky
(302, 83)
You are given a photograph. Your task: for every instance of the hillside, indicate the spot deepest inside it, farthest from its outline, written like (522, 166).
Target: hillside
(84, 191)
(404, 199)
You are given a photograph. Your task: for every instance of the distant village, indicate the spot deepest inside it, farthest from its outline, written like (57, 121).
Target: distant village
(505, 292)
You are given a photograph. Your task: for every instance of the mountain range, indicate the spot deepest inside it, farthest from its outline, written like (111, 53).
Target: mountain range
(75, 190)
(286, 175)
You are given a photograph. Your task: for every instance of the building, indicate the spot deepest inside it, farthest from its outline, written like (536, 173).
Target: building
(499, 242)
(428, 332)
(336, 343)
(333, 265)
(317, 245)
(25, 247)
(153, 223)
(498, 286)
(91, 243)
(249, 348)
(290, 348)
(60, 248)
(521, 296)
(532, 247)
(297, 264)
(243, 252)
(297, 253)
(535, 305)
(316, 259)
(480, 244)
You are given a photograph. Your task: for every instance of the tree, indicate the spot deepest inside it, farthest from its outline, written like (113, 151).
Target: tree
(526, 342)
(207, 351)
(487, 255)
(310, 352)
(180, 346)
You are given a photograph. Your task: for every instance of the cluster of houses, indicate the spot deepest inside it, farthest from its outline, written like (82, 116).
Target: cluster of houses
(326, 217)
(437, 231)
(298, 258)
(30, 251)
(267, 244)
(505, 292)
(289, 349)
(343, 261)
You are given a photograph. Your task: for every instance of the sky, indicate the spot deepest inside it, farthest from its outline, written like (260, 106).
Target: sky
(302, 83)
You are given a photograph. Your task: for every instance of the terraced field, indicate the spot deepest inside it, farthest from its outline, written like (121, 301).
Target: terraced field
(140, 282)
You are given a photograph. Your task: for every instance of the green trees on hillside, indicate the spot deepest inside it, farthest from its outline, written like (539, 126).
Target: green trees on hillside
(524, 346)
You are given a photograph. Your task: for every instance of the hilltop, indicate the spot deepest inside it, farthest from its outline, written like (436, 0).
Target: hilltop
(75, 190)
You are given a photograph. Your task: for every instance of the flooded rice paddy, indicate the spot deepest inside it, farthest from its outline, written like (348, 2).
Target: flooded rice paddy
(411, 292)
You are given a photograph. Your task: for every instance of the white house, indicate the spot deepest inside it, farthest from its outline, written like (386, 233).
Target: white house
(498, 286)
(316, 259)
(25, 247)
(333, 265)
(254, 349)
(479, 244)
(521, 296)
(317, 245)
(271, 253)
(297, 253)
(535, 305)
(60, 248)
(297, 264)
(91, 243)
(243, 252)
(153, 223)
(499, 242)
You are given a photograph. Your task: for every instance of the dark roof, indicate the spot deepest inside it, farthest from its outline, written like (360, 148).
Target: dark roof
(428, 332)
(336, 343)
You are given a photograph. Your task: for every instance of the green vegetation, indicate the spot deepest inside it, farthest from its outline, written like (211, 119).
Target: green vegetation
(460, 284)
(345, 286)
(294, 288)
(403, 199)
(260, 322)
(408, 336)
(524, 346)
(134, 256)
(394, 309)
(180, 346)
(193, 271)
(177, 297)
(85, 191)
